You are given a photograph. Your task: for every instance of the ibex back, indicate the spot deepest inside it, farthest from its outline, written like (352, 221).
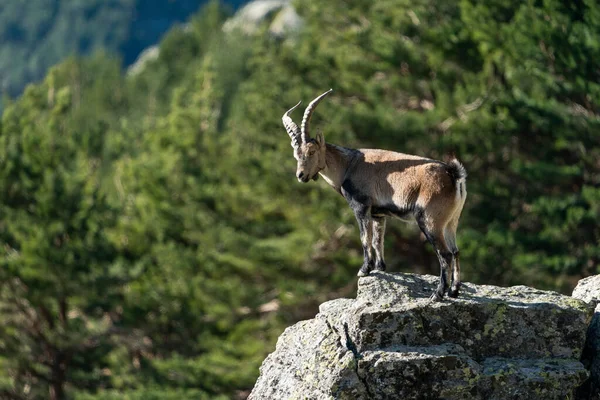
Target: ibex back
(378, 184)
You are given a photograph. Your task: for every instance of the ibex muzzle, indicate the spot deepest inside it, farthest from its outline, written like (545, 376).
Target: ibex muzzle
(378, 184)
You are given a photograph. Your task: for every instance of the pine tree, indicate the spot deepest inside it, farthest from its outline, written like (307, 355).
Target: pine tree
(61, 280)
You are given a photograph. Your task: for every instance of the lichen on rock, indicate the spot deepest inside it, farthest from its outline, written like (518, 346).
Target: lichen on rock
(393, 342)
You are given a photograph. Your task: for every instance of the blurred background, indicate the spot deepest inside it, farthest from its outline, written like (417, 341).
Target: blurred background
(154, 239)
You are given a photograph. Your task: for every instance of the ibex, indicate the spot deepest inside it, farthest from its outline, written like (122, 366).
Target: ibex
(379, 184)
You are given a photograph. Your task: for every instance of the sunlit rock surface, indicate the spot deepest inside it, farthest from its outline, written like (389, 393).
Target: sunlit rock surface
(392, 342)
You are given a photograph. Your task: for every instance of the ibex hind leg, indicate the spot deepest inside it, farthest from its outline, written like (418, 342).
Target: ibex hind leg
(455, 286)
(436, 238)
(450, 236)
(445, 259)
(378, 234)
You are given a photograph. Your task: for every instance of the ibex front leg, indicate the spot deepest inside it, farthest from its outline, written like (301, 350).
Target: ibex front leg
(365, 224)
(378, 233)
(362, 211)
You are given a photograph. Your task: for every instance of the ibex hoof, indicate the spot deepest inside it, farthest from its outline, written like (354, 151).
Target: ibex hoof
(380, 266)
(364, 270)
(436, 297)
(453, 293)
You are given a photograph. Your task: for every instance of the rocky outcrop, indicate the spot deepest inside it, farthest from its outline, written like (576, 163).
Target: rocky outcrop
(249, 18)
(148, 55)
(588, 290)
(392, 342)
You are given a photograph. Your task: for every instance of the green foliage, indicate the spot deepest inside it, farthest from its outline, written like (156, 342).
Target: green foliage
(155, 241)
(61, 276)
(512, 95)
(37, 34)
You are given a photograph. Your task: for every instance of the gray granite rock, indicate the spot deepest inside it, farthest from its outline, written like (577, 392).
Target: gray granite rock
(487, 321)
(392, 342)
(588, 289)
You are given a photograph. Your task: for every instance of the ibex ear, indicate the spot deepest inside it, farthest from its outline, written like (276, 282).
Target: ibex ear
(320, 139)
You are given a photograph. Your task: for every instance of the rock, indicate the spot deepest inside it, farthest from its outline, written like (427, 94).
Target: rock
(252, 15)
(311, 363)
(588, 289)
(392, 342)
(286, 21)
(149, 54)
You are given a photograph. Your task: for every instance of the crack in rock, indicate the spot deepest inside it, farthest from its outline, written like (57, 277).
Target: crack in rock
(357, 356)
(349, 345)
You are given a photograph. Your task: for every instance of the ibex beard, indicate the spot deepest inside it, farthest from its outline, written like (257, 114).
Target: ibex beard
(378, 184)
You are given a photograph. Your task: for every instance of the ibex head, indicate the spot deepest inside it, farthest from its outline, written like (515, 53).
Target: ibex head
(309, 152)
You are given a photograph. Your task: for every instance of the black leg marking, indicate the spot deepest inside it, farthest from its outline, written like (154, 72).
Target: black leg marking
(378, 235)
(380, 265)
(444, 258)
(365, 270)
(361, 206)
(365, 225)
(454, 289)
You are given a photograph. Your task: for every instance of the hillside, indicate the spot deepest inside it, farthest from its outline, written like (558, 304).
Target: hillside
(155, 240)
(37, 34)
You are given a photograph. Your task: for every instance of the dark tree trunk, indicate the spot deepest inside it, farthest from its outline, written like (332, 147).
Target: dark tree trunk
(57, 389)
